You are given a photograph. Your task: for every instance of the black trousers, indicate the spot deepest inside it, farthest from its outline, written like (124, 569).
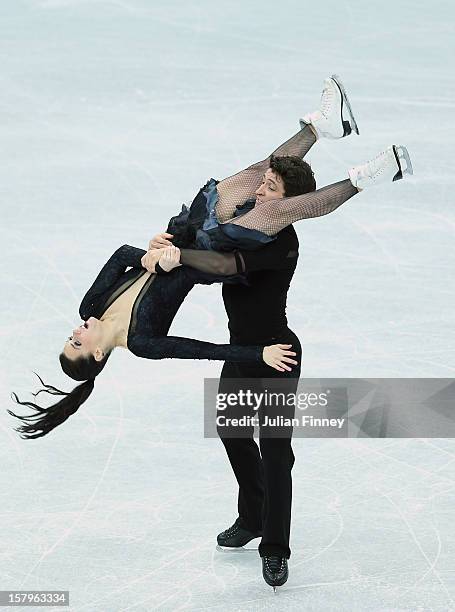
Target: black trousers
(263, 473)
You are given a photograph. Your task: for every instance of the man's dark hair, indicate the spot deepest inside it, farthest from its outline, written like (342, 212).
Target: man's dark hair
(297, 175)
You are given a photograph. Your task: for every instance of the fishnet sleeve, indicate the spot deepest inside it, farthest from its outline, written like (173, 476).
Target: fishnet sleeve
(241, 186)
(274, 215)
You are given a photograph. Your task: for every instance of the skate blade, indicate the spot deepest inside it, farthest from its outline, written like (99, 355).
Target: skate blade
(345, 98)
(237, 550)
(404, 159)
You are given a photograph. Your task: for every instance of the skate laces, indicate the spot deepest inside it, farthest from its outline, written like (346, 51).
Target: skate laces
(381, 162)
(326, 99)
(232, 530)
(275, 564)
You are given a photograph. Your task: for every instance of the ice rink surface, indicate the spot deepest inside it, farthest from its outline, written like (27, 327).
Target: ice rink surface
(112, 114)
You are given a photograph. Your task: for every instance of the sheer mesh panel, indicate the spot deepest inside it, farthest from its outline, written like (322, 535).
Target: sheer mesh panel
(241, 186)
(274, 215)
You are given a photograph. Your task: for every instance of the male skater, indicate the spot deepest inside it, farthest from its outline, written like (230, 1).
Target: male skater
(257, 315)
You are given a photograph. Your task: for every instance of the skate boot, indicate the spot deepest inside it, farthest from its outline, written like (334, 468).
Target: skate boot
(275, 570)
(237, 535)
(335, 118)
(390, 165)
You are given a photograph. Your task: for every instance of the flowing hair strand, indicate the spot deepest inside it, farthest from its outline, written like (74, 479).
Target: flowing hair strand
(45, 419)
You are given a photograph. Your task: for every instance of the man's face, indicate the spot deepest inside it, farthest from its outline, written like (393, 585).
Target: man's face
(271, 188)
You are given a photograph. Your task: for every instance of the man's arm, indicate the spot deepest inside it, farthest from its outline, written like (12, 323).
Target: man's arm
(212, 262)
(280, 254)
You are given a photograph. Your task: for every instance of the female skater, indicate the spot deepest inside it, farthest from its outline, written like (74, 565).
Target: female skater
(134, 309)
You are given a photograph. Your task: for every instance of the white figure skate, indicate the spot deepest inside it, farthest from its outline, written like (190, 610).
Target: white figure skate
(335, 118)
(390, 165)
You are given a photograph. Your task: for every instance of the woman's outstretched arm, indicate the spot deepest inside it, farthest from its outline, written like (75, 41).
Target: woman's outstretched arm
(278, 356)
(174, 347)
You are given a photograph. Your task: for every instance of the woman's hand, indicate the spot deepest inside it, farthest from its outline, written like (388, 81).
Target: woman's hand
(276, 355)
(160, 240)
(170, 259)
(149, 260)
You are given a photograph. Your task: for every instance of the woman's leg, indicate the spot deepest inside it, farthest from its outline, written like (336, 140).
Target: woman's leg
(273, 215)
(241, 186)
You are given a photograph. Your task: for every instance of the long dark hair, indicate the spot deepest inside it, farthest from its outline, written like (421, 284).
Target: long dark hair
(45, 419)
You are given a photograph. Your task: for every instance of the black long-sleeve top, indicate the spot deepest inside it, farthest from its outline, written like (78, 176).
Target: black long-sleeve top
(155, 307)
(257, 311)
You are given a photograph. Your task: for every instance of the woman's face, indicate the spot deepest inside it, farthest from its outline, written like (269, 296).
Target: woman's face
(85, 340)
(271, 188)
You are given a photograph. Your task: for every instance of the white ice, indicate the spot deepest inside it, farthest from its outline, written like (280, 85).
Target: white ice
(112, 114)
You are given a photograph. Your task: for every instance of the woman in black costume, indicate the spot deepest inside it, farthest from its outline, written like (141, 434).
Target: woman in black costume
(132, 309)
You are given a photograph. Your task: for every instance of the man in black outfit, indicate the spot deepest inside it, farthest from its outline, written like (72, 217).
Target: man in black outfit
(257, 315)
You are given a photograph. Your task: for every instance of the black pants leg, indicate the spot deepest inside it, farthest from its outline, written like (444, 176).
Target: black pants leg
(244, 457)
(278, 460)
(264, 479)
